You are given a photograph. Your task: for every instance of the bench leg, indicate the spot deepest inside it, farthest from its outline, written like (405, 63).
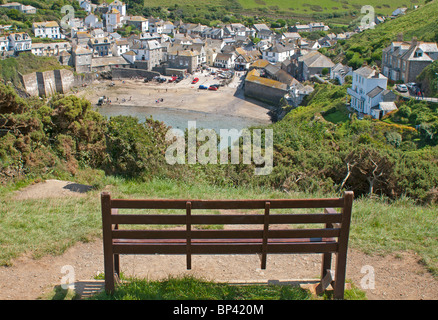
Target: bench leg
(326, 263)
(341, 268)
(117, 265)
(109, 274)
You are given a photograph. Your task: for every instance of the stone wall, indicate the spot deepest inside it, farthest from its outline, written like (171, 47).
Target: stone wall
(264, 93)
(48, 82)
(64, 80)
(30, 83)
(82, 79)
(126, 73)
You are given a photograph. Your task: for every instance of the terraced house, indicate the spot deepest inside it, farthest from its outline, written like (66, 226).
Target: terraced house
(101, 47)
(20, 42)
(404, 61)
(47, 29)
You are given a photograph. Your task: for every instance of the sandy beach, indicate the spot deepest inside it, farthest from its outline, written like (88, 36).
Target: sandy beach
(228, 100)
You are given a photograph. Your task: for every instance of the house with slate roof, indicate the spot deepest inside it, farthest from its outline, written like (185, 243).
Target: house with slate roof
(369, 95)
(404, 60)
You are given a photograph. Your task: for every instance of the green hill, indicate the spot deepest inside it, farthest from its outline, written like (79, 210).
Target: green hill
(367, 46)
(330, 11)
(295, 7)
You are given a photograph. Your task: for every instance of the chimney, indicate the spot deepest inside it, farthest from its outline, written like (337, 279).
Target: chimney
(414, 41)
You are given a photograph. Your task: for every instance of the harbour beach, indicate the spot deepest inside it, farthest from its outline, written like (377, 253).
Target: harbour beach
(183, 97)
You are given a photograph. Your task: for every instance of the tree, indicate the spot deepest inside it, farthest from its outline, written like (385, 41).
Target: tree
(369, 167)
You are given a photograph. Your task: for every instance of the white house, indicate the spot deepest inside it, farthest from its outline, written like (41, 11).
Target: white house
(47, 29)
(156, 25)
(129, 56)
(4, 44)
(399, 11)
(91, 21)
(20, 42)
(119, 6)
(278, 52)
(50, 49)
(87, 5)
(368, 91)
(339, 72)
(120, 47)
(225, 60)
(20, 7)
(168, 27)
(139, 22)
(113, 20)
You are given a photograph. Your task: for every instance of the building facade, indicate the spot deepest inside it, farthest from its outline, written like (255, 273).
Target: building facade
(404, 61)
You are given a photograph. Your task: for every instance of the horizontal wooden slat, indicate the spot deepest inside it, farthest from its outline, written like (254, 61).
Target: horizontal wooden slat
(227, 248)
(158, 242)
(223, 234)
(226, 204)
(225, 219)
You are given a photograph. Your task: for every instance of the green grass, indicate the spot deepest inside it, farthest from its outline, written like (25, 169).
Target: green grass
(297, 6)
(323, 6)
(336, 117)
(190, 288)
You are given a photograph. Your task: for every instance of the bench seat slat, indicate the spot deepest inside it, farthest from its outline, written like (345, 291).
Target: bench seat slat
(151, 242)
(226, 204)
(221, 234)
(226, 219)
(226, 248)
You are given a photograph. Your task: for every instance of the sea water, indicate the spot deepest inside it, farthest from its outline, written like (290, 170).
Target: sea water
(179, 118)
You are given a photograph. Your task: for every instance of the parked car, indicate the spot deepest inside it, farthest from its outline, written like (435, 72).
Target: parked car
(203, 87)
(160, 79)
(195, 80)
(217, 85)
(173, 79)
(402, 88)
(179, 79)
(212, 88)
(411, 85)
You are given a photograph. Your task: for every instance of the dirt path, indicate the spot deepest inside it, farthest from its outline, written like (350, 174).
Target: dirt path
(397, 276)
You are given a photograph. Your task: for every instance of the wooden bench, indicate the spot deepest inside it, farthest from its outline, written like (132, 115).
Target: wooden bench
(330, 238)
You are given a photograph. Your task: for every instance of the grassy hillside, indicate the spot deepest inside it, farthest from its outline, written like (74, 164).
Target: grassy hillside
(298, 6)
(326, 6)
(333, 11)
(429, 79)
(367, 46)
